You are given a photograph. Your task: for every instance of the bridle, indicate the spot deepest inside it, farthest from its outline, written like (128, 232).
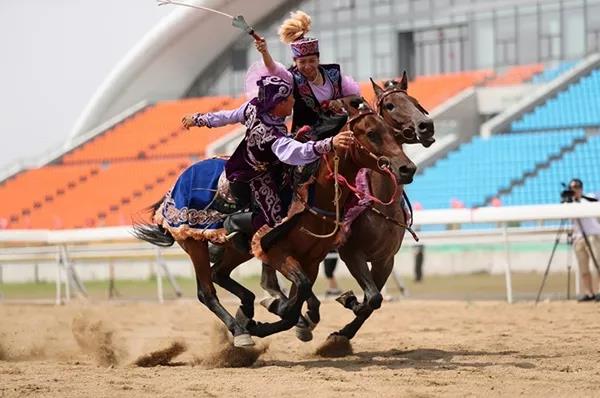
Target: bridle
(408, 136)
(383, 162)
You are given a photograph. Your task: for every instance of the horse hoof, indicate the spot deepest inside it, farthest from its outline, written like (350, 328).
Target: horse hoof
(303, 334)
(346, 298)
(243, 340)
(267, 302)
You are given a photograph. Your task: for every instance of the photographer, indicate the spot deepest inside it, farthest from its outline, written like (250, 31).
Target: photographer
(591, 228)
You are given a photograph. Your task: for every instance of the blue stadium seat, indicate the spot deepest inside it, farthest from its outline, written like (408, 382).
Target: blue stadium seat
(482, 167)
(577, 106)
(582, 163)
(550, 74)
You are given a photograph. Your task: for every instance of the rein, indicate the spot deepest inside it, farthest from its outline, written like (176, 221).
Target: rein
(336, 201)
(383, 162)
(398, 223)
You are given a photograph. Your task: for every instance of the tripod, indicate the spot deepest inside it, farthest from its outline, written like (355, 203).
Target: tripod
(561, 228)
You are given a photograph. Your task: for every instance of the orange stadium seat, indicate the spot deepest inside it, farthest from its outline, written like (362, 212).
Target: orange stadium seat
(114, 182)
(155, 128)
(432, 91)
(38, 188)
(133, 209)
(516, 75)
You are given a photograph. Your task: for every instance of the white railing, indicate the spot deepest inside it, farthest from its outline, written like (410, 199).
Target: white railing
(65, 246)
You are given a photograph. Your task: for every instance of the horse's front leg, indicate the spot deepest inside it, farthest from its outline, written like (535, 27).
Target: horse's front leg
(221, 275)
(356, 261)
(207, 294)
(380, 272)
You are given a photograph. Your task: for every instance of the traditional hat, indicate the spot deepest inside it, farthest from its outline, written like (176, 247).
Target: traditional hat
(293, 31)
(271, 91)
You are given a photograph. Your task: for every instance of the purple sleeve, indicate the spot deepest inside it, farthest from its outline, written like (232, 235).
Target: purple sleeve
(349, 86)
(222, 118)
(296, 153)
(280, 71)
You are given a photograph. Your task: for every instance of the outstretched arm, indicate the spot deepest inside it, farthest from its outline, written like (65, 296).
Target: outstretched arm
(215, 119)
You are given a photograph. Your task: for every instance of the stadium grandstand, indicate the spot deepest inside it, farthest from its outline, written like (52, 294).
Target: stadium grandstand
(516, 111)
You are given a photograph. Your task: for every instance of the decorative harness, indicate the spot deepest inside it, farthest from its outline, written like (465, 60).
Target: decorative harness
(383, 163)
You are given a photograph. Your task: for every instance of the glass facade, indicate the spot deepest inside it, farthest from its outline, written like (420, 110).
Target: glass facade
(381, 38)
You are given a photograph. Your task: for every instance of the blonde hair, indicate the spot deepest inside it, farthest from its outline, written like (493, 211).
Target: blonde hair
(294, 27)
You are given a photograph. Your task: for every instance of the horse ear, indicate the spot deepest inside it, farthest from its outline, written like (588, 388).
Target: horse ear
(404, 81)
(378, 90)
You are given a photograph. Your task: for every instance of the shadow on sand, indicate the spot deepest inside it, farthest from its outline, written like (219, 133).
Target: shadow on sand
(422, 358)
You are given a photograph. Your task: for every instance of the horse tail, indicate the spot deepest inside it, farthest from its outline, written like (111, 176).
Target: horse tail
(153, 233)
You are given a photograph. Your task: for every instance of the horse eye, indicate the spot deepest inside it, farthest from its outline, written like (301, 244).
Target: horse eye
(372, 135)
(389, 106)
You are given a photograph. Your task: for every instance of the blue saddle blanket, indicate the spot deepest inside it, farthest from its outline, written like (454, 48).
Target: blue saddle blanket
(188, 204)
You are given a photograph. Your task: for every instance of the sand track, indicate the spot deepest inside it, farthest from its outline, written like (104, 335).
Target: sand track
(412, 348)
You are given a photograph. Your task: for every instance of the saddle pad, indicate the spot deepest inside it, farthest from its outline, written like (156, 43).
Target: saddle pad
(187, 209)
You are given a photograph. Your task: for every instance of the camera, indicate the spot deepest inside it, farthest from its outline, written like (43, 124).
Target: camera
(567, 195)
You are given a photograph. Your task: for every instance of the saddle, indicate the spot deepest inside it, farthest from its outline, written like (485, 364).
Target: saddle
(224, 202)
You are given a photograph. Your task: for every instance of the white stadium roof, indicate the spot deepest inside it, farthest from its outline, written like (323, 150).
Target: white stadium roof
(165, 63)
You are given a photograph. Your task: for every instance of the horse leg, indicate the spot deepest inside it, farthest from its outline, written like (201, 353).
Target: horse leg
(357, 265)
(278, 302)
(221, 275)
(380, 271)
(290, 312)
(307, 323)
(269, 283)
(198, 252)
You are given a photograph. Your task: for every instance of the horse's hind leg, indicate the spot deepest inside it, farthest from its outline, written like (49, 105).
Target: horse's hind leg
(198, 252)
(292, 270)
(269, 282)
(278, 303)
(221, 275)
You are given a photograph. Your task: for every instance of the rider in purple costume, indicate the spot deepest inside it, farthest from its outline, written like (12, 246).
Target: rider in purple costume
(316, 86)
(253, 169)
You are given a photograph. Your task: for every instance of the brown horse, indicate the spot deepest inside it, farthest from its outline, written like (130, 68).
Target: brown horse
(383, 225)
(377, 234)
(404, 113)
(298, 252)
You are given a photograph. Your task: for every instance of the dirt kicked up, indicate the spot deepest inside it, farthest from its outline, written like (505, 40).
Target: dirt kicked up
(408, 348)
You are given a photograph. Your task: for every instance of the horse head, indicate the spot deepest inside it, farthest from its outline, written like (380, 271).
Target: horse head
(375, 146)
(408, 118)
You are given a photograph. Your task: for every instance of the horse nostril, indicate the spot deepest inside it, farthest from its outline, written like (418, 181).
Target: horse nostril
(407, 170)
(426, 125)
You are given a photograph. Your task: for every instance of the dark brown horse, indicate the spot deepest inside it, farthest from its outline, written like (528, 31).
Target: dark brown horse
(403, 113)
(298, 252)
(383, 225)
(377, 234)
